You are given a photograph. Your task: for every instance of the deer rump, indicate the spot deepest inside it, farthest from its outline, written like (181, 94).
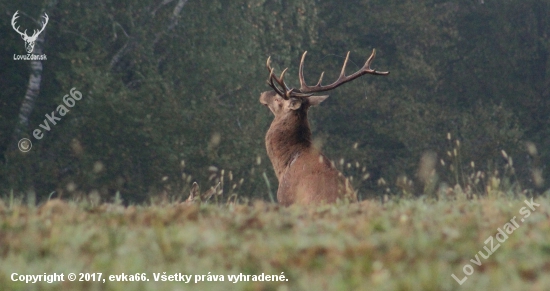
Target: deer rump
(305, 175)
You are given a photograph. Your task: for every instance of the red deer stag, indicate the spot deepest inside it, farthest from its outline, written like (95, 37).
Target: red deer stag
(305, 175)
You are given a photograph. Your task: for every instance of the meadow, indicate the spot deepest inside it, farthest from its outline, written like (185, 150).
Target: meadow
(170, 96)
(377, 244)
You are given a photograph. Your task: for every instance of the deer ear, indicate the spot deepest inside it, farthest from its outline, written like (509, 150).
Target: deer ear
(295, 103)
(316, 100)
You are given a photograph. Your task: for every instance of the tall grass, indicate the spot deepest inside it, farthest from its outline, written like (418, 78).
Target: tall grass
(400, 244)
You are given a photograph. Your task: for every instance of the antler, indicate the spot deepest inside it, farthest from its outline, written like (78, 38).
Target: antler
(304, 88)
(24, 34)
(284, 92)
(13, 19)
(44, 23)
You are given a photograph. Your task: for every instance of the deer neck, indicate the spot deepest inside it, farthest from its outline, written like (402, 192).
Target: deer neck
(287, 137)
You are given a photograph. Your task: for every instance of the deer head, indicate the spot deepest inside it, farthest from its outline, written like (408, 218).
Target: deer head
(29, 40)
(305, 175)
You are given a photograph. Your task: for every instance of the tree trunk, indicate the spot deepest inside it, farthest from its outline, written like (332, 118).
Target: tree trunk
(20, 167)
(33, 90)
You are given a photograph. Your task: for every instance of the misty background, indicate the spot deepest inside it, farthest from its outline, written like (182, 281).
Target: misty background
(170, 92)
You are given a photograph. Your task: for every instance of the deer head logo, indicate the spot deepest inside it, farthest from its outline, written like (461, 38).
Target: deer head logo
(29, 40)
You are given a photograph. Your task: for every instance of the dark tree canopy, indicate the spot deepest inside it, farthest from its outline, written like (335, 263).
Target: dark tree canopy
(170, 90)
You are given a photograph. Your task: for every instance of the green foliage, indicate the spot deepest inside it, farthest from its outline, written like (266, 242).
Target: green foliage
(169, 94)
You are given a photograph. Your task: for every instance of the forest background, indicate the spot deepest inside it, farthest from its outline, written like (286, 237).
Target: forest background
(170, 92)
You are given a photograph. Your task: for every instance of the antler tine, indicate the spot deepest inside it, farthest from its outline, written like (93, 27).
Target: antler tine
(370, 59)
(281, 82)
(288, 92)
(285, 92)
(268, 64)
(343, 72)
(272, 85)
(301, 77)
(271, 76)
(13, 23)
(301, 71)
(367, 65)
(14, 18)
(46, 18)
(320, 80)
(281, 79)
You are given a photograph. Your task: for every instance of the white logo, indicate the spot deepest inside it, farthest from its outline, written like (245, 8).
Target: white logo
(29, 40)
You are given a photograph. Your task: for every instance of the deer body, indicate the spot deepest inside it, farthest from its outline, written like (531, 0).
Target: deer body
(305, 175)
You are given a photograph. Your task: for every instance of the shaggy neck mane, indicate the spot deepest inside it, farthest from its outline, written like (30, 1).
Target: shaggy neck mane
(286, 138)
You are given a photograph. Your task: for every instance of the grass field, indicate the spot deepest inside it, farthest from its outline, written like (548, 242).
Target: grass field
(400, 244)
